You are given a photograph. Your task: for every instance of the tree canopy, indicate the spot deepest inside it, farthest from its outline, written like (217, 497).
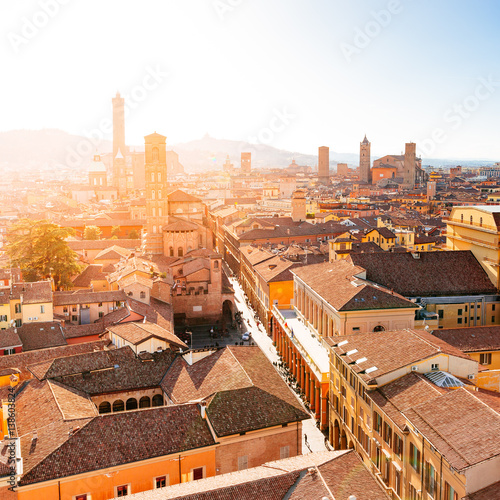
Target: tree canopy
(40, 249)
(92, 233)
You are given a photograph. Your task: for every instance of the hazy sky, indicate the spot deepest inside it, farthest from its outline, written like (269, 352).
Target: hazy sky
(294, 74)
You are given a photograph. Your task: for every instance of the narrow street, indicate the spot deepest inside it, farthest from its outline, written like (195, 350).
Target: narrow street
(315, 439)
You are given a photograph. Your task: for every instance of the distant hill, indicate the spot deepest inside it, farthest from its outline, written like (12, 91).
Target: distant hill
(50, 148)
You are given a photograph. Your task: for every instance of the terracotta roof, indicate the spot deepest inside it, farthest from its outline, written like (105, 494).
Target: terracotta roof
(248, 409)
(433, 273)
(472, 339)
(179, 225)
(137, 333)
(126, 373)
(41, 335)
(113, 253)
(491, 492)
(9, 338)
(102, 244)
(255, 255)
(89, 274)
(88, 297)
(22, 360)
(178, 195)
(75, 331)
(304, 229)
(34, 293)
(388, 351)
(403, 393)
(311, 476)
(120, 438)
(335, 282)
(447, 422)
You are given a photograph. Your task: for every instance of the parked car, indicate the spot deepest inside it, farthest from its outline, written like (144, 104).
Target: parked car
(245, 336)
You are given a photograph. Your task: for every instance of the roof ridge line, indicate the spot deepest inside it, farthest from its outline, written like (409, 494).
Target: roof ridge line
(244, 371)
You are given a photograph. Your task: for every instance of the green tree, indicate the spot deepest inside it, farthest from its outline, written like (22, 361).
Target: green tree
(115, 231)
(92, 233)
(40, 249)
(133, 235)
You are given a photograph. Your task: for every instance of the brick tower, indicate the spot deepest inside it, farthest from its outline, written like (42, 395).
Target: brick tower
(365, 174)
(156, 191)
(324, 165)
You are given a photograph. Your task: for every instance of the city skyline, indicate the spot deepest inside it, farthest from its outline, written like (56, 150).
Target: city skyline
(282, 74)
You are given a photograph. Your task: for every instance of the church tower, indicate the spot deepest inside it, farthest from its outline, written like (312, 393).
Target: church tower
(365, 174)
(97, 173)
(119, 148)
(156, 191)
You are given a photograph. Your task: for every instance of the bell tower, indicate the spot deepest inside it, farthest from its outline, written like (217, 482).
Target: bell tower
(365, 174)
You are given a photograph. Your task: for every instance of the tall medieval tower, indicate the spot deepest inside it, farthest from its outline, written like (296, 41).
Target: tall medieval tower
(156, 191)
(246, 163)
(365, 174)
(119, 148)
(410, 161)
(324, 165)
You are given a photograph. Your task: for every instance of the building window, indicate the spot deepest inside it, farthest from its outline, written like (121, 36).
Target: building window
(42, 309)
(198, 473)
(431, 481)
(459, 321)
(413, 492)
(441, 313)
(485, 358)
(284, 452)
(471, 219)
(461, 217)
(18, 308)
(85, 496)
(6, 352)
(105, 407)
(159, 194)
(398, 445)
(118, 406)
(143, 295)
(415, 457)
(157, 400)
(73, 308)
(435, 367)
(449, 492)
(153, 195)
(156, 154)
(387, 434)
(459, 312)
(397, 481)
(74, 318)
(180, 252)
(152, 176)
(243, 462)
(159, 176)
(122, 491)
(481, 221)
(377, 423)
(144, 402)
(160, 482)
(493, 307)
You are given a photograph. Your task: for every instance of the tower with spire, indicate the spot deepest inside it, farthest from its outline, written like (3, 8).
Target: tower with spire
(365, 174)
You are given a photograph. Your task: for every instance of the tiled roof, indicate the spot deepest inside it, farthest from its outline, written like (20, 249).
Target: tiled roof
(255, 255)
(84, 297)
(293, 231)
(22, 360)
(34, 293)
(388, 351)
(75, 331)
(491, 492)
(89, 274)
(304, 477)
(41, 335)
(9, 339)
(120, 438)
(72, 404)
(137, 333)
(403, 393)
(248, 409)
(126, 373)
(472, 339)
(101, 244)
(336, 284)
(178, 195)
(113, 253)
(433, 273)
(447, 422)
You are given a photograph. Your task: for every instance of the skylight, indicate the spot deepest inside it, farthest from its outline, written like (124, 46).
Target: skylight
(444, 379)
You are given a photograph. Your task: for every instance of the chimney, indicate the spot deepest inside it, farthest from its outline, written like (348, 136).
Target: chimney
(203, 409)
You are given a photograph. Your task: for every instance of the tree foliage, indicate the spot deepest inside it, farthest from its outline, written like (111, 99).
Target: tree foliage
(115, 231)
(133, 235)
(92, 233)
(40, 249)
